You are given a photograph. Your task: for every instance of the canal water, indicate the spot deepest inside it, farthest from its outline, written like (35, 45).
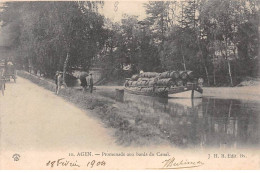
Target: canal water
(205, 122)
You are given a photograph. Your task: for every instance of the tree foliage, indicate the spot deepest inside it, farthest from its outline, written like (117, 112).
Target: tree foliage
(48, 32)
(217, 39)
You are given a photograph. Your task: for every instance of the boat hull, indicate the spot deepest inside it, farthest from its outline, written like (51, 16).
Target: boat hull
(153, 94)
(178, 92)
(186, 94)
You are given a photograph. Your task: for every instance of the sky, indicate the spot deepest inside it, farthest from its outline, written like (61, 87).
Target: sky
(134, 7)
(124, 7)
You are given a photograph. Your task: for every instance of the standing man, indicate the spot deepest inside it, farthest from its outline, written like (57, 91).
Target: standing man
(56, 81)
(2, 79)
(91, 83)
(59, 82)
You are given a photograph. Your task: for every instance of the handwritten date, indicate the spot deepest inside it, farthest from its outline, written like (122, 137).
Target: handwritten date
(62, 162)
(96, 163)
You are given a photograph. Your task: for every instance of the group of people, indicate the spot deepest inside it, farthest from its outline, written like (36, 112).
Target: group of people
(83, 80)
(6, 69)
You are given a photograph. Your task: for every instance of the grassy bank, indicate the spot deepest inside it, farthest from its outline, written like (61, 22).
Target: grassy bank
(113, 114)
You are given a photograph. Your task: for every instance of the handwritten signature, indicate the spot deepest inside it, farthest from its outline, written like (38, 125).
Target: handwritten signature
(173, 164)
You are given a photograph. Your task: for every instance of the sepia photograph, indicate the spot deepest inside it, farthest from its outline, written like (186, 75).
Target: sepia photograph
(130, 85)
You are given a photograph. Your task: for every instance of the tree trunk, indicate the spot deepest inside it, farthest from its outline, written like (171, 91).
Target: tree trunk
(207, 74)
(230, 75)
(200, 49)
(184, 65)
(162, 28)
(230, 108)
(214, 76)
(229, 68)
(65, 66)
(206, 69)
(214, 71)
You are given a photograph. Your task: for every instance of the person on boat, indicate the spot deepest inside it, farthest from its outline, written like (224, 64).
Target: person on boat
(10, 63)
(91, 84)
(200, 81)
(126, 83)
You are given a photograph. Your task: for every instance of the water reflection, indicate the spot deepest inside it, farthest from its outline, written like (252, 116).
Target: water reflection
(199, 123)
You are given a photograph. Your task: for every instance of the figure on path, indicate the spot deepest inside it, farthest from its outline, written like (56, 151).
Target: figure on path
(58, 81)
(83, 81)
(91, 83)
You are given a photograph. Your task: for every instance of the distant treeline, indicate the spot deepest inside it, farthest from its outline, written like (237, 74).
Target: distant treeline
(217, 39)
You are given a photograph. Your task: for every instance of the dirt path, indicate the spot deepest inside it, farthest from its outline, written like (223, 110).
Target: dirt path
(33, 118)
(42, 127)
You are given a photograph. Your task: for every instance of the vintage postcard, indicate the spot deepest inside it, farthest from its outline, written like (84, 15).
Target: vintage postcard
(129, 85)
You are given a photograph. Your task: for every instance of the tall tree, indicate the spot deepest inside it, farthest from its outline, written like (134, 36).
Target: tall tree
(222, 22)
(56, 35)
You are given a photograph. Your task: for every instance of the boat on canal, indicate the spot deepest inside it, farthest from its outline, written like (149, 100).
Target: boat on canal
(167, 84)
